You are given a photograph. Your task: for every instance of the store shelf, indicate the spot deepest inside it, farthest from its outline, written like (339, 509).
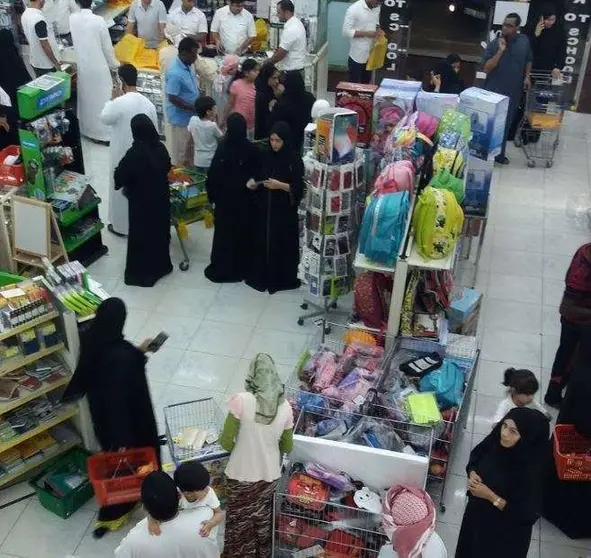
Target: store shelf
(415, 260)
(72, 243)
(28, 325)
(361, 262)
(62, 448)
(70, 216)
(17, 363)
(362, 327)
(30, 395)
(61, 417)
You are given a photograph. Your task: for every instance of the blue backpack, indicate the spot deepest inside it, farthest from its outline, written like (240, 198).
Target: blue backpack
(383, 226)
(446, 382)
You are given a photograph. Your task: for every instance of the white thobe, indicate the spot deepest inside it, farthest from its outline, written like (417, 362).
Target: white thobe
(95, 58)
(117, 115)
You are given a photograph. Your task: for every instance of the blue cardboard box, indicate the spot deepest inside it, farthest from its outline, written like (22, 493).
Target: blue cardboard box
(478, 176)
(464, 311)
(488, 115)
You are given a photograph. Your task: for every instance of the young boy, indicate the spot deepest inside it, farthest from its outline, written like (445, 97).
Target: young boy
(193, 480)
(205, 132)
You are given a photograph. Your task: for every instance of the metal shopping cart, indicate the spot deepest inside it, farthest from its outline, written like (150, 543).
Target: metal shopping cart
(189, 204)
(539, 130)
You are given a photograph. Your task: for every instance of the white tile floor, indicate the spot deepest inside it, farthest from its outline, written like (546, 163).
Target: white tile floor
(215, 330)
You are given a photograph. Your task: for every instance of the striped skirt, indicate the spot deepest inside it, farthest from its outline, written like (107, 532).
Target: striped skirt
(249, 519)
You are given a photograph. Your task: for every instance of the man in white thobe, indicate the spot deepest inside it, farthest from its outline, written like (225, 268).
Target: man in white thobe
(95, 58)
(117, 115)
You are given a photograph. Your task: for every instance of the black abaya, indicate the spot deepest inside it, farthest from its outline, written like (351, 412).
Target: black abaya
(234, 163)
(275, 256)
(262, 102)
(513, 474)
(143, 175)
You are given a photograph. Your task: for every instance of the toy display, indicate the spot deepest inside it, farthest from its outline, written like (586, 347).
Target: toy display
(359, 98)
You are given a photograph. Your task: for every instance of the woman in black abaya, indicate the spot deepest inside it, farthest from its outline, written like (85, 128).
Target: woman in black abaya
(234, 162)
(266, 84)
(13, 74)
(111, 374)
(143, 175)
(273, 264)
(505, 487)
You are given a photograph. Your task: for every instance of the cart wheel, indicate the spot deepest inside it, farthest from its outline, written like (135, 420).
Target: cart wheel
(549, 164)
(334, 305)
(517, 141)
(327, 330)
(183, 266)
(442, 508)
(300, 321)
(531, 164)
(304, 305)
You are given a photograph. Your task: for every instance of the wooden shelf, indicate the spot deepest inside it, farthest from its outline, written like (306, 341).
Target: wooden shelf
(25, 361)
(31, 395)
(28, 325)
(61, 417)
(62, 448)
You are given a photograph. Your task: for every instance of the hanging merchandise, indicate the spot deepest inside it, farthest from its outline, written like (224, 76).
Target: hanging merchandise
(437, 223)
(372, 292)
(455, 121)
(396, 177)
(377, 55)
(444, 179)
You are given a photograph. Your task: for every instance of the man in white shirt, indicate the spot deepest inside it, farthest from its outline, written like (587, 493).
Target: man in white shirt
(58, 14)
(117, 114)
(43, 49)
(146, 19)
(190, 21)
(179, 531)
(233, 29)
(293, 46)
(361, 26)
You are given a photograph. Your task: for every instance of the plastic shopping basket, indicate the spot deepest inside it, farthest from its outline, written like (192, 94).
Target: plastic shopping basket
(114, 474)
(572, 454)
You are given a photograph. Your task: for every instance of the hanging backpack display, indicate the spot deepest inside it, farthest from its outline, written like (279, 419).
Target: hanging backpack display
(383, 226)
(437, 223)
(396, 177)
(372, 292)
(449, 159)
(445, 180)
(455, 121)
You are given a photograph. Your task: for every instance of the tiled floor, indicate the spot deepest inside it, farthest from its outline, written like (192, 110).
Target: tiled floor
(215, 330)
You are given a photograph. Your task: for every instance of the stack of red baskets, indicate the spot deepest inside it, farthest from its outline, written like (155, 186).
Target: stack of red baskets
(572, 454)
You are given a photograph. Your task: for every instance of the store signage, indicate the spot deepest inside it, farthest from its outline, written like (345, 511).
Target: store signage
(577, 20)
(394, 20)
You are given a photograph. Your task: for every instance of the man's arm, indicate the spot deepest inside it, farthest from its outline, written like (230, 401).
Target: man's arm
(491, 58)
(349, 30)
(42, 35)
(173, 90)
(130, 28)
(162, 18)
(251, 33)
(244, 46)
(278, 55)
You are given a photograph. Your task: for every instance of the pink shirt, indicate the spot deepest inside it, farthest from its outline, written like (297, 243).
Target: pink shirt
(244, 94)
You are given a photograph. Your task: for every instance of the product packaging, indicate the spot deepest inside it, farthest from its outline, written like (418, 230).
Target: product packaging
(478, 176)
(464, 311)
(336, 136)
(435, 103)
(358, 97)
(488, 114)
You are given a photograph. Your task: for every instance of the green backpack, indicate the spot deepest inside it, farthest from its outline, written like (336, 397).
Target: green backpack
(437, 223)
(443, 179)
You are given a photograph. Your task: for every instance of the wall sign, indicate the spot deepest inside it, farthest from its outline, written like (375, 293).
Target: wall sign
(394, 20)
(576, 25)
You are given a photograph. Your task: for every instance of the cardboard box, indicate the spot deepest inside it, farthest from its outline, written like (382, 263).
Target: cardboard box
(478, 177)
(488, 115)
(43, 94)
(358, 97)
(336, 136)
(464, 311)
(402, 84)
(435, 103)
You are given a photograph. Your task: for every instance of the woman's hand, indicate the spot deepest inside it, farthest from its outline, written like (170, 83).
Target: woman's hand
(539, 27)
(436, 82)
(251, 184)
(4, 123)
(474, 477)
(273, 184)
(480, 490)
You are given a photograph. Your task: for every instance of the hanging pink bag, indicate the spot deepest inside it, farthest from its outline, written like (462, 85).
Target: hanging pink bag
(396, 177)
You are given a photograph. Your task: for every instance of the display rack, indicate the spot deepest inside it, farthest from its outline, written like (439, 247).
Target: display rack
(151, 85)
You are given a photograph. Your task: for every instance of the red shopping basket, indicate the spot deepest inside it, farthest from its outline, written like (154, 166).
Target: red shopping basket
(114, 474)
(572, 454)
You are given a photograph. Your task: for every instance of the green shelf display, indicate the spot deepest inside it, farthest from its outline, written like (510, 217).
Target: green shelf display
(42, 94)
(70, 216)
(71, 243)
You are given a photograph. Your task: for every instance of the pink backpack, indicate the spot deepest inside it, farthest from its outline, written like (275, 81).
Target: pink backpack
(423, 122)
(396, 177)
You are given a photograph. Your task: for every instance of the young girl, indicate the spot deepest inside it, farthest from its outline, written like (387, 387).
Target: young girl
(522, 387)
(242, 93)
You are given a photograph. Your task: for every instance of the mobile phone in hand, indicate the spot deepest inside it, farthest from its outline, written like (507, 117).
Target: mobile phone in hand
(157, 342)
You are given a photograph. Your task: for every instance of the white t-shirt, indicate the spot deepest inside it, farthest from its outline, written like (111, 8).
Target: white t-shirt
(190, 23)
(179, 538)
(206, 135)
(507, 404)
(293, 41)
(211, 501)
(360, 17)
(233, 29)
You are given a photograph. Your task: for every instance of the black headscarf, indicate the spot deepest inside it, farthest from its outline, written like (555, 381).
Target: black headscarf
(450, 80)
(236, 130)
(284, 155)
(261, 83)
(13, 72)
(143, 130)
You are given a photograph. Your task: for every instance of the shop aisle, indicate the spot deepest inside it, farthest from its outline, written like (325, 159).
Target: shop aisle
(214, 331)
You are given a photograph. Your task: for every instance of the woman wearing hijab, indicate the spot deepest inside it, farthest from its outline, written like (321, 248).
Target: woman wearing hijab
(273, 264)
(505, 487)
(267, 92)
(445, 78)
(111, 374)
(13, 74)
(294, 107)
(548, 42)
(258, 431)
(234, 162)
(143, 175)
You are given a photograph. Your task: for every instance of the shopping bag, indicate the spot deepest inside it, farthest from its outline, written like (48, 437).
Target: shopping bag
(128, 48)
(377, 55)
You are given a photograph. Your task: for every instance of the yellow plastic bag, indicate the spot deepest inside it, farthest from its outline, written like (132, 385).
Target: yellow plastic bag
(259, 44)
(377, 56)
(147, 59)
(128, 48)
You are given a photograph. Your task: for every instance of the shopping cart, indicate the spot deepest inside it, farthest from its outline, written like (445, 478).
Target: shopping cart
(539, 130)
(189, 204)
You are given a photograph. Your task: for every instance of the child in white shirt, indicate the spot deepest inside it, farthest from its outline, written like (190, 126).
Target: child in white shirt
(193, 480)
(205, 132)
(522, 387)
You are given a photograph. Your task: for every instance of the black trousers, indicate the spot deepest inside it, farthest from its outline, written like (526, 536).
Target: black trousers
(571, 335)
(358, 73)
(41, 71)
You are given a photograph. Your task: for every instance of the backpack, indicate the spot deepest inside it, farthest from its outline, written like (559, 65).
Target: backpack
(423, 122)
(453, 120)
(437, 223)
(445, 180)
(449, 159)
(383, 227)
(447, 383)
(371, 292)
(395, 177)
